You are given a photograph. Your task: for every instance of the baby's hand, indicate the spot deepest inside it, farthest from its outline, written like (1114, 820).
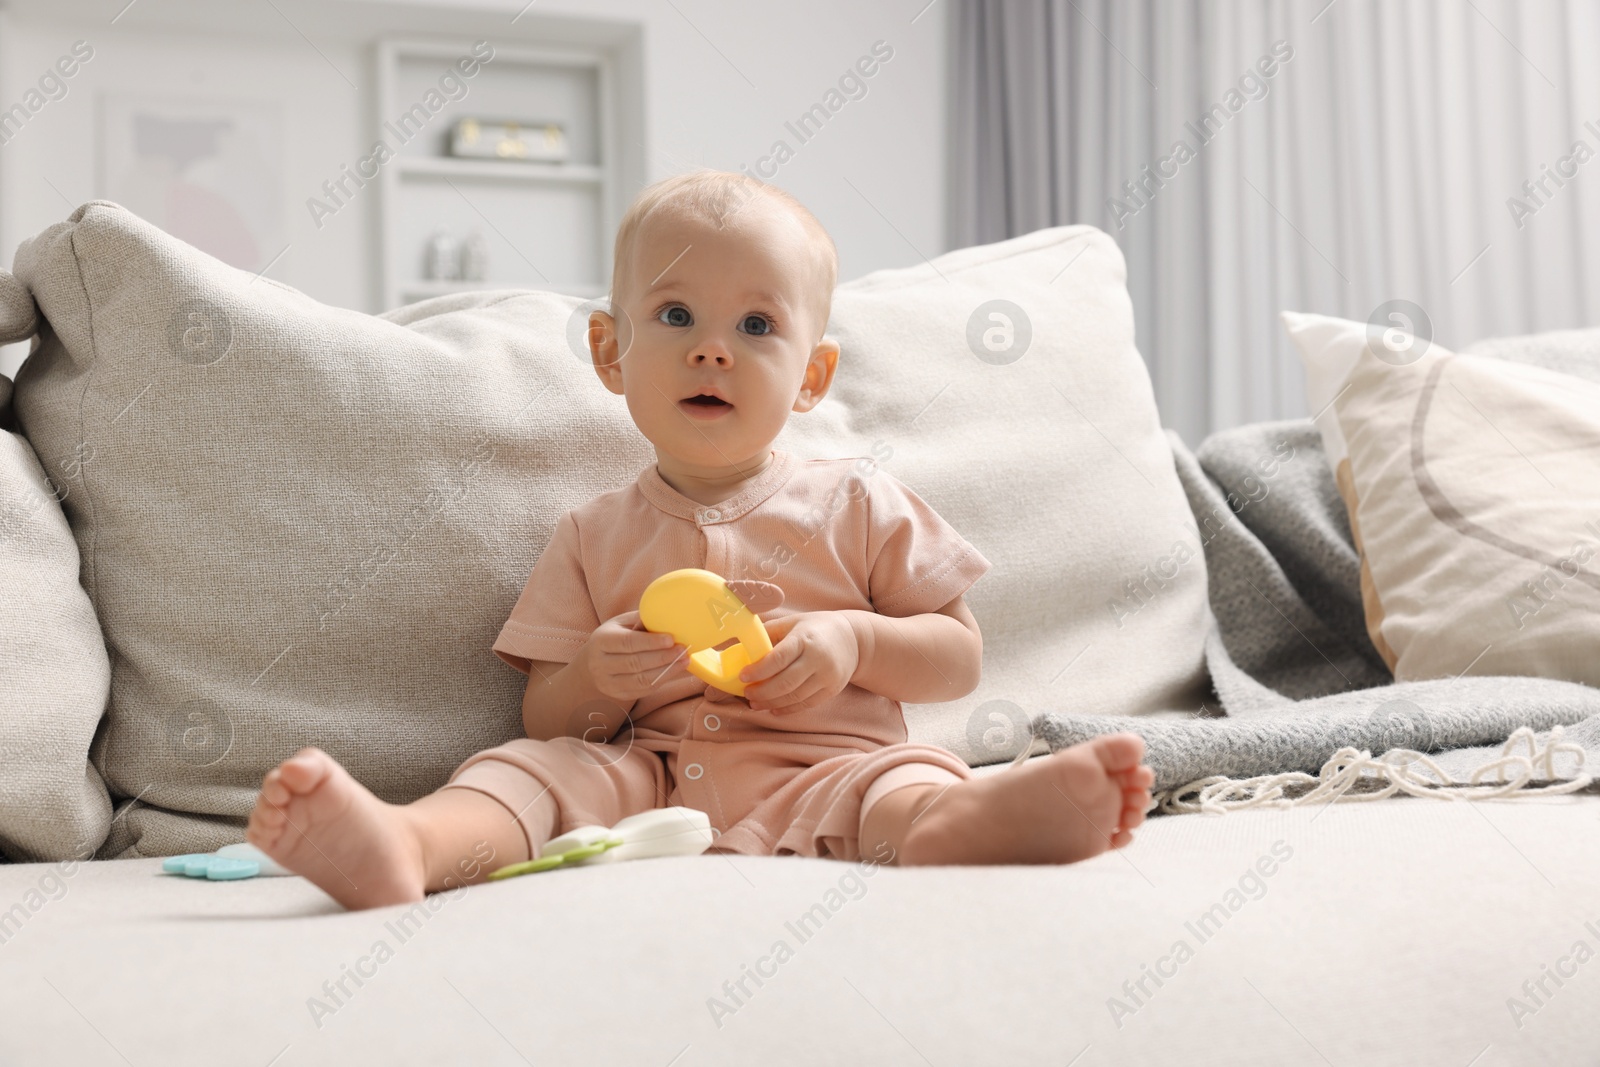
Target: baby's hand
(625, 661)
(814, 655)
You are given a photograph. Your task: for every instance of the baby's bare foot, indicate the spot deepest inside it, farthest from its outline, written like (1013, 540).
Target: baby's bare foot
(316, 820)
(1062, 808)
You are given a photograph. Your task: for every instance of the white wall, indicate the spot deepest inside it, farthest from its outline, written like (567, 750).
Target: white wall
(890, 145)
(51, 166)
(720, 79)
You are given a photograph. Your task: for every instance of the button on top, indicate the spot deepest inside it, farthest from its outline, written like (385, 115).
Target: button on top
(713, 723)
(710, 515)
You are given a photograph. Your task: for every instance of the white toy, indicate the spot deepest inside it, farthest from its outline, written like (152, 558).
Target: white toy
(658, 832)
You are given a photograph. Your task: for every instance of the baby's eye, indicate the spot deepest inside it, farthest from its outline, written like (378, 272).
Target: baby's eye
(675, 315)
(757, 325)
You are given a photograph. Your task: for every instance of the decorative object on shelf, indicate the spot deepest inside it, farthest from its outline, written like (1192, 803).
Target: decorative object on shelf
(444, 258)
(536, 142)
(475, 257)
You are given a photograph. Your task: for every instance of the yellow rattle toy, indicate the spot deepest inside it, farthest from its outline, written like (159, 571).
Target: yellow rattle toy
(701, 611)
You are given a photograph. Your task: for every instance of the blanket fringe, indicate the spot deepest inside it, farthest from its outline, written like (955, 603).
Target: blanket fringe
(1401, 770)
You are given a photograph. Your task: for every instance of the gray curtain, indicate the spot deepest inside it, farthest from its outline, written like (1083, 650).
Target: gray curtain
(1426, 151)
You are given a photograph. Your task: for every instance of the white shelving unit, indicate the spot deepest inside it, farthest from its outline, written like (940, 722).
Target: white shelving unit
(496, 170)
(547, 225)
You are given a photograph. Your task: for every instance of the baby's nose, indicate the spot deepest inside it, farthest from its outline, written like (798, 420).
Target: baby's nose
(714, 353)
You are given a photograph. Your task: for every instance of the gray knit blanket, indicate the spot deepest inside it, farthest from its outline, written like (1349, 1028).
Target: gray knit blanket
(1304, 706)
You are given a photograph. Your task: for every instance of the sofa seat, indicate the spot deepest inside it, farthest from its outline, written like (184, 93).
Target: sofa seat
(1390, 932)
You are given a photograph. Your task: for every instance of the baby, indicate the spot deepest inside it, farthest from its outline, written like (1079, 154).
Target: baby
(720, 294)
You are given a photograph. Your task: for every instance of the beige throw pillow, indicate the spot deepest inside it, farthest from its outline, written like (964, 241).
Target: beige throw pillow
(54, 676)
(300, 525)
(1473, 487)
(305, 525)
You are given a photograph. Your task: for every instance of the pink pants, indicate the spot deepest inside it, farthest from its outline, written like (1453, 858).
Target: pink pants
(763, 805)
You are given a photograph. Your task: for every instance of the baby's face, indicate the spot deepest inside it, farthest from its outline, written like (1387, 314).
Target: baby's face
(719, 338)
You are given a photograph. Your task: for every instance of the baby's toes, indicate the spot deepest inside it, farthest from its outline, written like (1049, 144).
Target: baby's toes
(1119, 752)
(273, 791)
(1129, 819)
(264, 827)
(305, 770)
(268, 812)
(1140, 777)
(1132, 815)
(1135, 779)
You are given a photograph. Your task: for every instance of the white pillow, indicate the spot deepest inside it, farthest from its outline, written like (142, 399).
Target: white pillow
(1006, 382)
(1473, 488)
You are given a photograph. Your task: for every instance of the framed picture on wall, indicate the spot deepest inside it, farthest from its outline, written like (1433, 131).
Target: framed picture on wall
(208, 172)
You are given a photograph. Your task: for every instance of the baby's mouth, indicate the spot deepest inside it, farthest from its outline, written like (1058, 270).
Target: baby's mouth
(704, 407)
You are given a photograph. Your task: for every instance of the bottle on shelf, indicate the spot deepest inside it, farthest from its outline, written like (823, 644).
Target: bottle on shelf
(443, 259)
(475, 257)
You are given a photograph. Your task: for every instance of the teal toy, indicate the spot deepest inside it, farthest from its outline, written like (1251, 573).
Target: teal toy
(660, 832)
(227, 864)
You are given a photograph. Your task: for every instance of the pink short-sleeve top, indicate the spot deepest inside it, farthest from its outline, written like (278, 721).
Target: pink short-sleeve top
(832, 534)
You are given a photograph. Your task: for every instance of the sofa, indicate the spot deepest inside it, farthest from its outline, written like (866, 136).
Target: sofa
(238, 522)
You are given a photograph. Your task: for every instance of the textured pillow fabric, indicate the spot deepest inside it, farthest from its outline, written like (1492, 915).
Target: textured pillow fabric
(1473, 495)
(19, 319)
(304, 525)
(54, 675)
(1574, 352)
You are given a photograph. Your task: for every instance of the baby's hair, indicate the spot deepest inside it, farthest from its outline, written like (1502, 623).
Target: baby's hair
(716, 196)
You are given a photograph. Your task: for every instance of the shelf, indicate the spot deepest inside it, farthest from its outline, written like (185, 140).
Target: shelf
(542, 219)
(421, 290)
(443, 167)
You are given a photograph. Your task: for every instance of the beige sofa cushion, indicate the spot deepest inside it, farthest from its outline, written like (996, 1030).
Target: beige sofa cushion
(54, 675)
(305, 525)
(1472, 492)
(1252, 922)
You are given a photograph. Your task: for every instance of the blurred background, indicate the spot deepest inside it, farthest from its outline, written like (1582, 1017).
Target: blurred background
(1249, 156)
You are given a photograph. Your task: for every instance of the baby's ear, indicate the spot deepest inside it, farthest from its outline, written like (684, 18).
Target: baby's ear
(603, 342)
(760, 597)
(819, 374)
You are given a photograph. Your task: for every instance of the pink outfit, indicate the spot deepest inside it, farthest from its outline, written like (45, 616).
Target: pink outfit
(833, 535)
